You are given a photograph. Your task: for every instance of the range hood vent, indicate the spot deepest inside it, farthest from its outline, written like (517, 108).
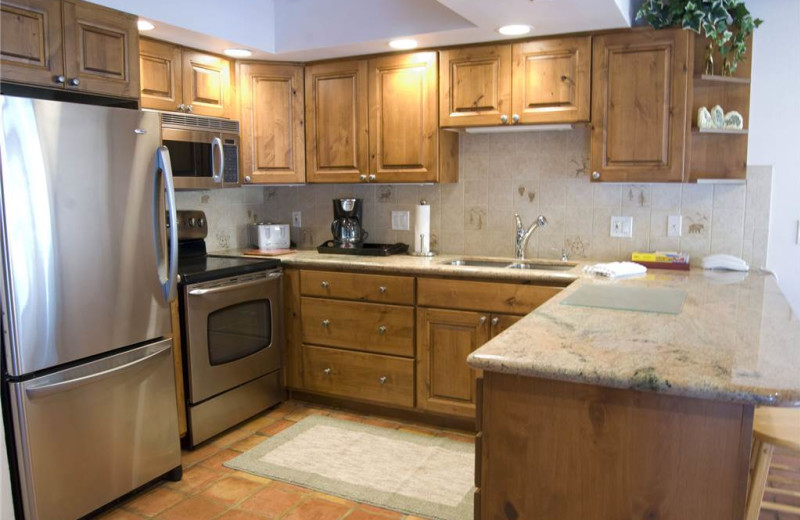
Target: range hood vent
(190, 122)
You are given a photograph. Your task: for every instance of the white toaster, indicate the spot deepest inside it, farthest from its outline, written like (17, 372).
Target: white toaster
(269, 236)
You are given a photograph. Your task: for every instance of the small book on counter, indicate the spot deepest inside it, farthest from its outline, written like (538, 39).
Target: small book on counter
(662, 260)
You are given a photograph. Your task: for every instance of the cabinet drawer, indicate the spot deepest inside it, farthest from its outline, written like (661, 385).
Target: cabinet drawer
(363, 287)
(385, 329)
(370, 377)
(507, 298)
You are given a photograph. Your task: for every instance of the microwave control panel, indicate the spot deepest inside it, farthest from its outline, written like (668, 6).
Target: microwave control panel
(230, 175)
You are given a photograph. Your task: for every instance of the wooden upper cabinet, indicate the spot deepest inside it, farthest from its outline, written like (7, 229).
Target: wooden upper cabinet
(30, 42)
(475, 86)
(273, 136)
(639, 105)
(403, 122)
(207, 87)
(552, 80)
(100, 49)
(161, 80)
(336, 122)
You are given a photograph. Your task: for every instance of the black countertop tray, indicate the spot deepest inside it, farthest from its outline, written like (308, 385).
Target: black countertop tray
(365, 250)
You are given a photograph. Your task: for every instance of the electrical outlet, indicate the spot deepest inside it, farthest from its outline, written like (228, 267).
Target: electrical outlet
(297, 219)
(674, 225)
(400, 220)
(622, 227)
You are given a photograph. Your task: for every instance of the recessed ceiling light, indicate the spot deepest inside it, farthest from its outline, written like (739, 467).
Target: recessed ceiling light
(403, 45)
(144, 25)
(238, 53)
(514, 30)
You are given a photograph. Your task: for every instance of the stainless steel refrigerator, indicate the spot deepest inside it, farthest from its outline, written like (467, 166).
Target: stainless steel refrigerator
(87, 279)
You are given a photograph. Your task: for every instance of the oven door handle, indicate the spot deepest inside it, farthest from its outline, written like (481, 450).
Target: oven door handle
(234, 285)
(216, 144)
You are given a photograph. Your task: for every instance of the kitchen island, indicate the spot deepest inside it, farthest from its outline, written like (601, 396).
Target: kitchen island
(599, 414)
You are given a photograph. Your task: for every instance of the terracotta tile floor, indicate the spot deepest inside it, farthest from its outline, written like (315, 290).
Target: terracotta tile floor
(209, 490)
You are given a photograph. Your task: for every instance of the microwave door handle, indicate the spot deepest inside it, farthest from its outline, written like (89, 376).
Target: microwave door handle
(164, 166)
(234, 285)
(216, 144)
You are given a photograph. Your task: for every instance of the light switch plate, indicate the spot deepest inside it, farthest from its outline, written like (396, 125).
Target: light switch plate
(400, 220)
(674, 225)
(297, 219)
(622, 227)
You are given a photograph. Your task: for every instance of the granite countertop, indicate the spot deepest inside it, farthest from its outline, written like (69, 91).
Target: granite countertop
(737, 342)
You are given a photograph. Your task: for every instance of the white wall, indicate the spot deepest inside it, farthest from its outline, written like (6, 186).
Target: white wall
(774, 134)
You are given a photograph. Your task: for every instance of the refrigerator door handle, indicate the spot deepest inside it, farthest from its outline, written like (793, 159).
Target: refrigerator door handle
(45, 390)
(216, 143)
(164, 166)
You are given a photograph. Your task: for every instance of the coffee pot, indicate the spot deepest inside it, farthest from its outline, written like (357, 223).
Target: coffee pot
(346, 225)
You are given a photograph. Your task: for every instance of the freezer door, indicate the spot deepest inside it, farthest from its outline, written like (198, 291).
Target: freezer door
(92, 433)
(83, 231)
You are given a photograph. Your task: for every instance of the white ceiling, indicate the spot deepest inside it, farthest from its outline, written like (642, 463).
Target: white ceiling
(305, 30)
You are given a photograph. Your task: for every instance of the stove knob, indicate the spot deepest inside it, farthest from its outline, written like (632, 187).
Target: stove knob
(201, 223)
(192, 222)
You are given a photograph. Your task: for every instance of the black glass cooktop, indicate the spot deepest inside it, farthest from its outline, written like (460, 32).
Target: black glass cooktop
(205, 268)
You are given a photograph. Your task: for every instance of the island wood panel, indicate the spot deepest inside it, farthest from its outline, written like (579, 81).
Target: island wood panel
(385, 329)
(291, 300)
(337, 135)
(639, 105)
(552, 80)
(207, 84)
(445, 383)
(509, 298)
(177, 358)
(161, 78)
(273, 133)
(357, 286)
(554, 449)
(30, 42)
(101, 48)
(474, 85)
(358, 375)
(403, 121)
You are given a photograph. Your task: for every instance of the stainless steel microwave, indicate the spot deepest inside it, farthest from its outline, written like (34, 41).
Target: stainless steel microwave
(204, 151)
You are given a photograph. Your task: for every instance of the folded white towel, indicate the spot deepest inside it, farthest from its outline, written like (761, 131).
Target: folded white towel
(616, 269)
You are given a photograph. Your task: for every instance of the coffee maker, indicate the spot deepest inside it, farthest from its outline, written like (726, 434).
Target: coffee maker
(346, 225)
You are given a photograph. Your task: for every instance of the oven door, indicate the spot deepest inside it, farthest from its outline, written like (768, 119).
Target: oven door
(234, 332)
(198, 158)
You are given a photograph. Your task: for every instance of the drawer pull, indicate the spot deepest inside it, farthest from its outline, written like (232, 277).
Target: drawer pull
(482, 320)
(382, 380)
(325, 284)
(326, 323)
(382, 289)
(495, 321)
(382, 330)
(327, 371)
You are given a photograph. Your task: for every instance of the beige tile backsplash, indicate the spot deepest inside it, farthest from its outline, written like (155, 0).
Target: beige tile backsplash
(531, 173)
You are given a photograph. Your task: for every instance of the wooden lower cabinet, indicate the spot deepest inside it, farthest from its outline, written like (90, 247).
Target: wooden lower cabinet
(177, 358)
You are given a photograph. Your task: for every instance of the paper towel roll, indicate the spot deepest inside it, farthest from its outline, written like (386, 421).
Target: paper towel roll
(422, 228)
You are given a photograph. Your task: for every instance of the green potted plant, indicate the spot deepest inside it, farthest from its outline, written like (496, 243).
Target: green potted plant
(727, 23)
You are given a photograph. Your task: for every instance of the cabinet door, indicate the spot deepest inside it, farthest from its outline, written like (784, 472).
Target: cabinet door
(639, 99)
(207, 84)
(160, 65)
(475, 86)
(403, 123)
(501, 322)
(336, 119)
(30, 42)
(552, 79)
(273, 138)
(101, 49)
(445, 383)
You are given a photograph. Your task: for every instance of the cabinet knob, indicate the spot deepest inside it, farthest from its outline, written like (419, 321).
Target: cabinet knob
(325, 284)
(382, 289)
(60, 79)
(382, 330)
(495, 321)
(327, 371)
(371, 177)
(74, 82)
(326, 323)
(515, 119)
(596, 175)
(181, 107)
(382, 380)
(504, 119)
(363, 177)
(482, 320)
(247, 179)
(188, 108)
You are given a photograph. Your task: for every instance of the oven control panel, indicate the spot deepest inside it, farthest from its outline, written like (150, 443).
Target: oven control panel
(192, 225)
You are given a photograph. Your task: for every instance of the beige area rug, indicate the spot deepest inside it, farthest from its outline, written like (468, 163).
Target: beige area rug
(416, 474)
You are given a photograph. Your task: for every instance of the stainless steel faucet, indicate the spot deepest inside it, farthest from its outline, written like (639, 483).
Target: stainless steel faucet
(523, 235)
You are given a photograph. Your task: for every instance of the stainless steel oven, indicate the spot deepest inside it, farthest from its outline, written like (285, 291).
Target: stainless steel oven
(204, 150)
(234, 344)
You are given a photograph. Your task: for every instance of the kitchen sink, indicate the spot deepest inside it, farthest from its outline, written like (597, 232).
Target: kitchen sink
(506, 264)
